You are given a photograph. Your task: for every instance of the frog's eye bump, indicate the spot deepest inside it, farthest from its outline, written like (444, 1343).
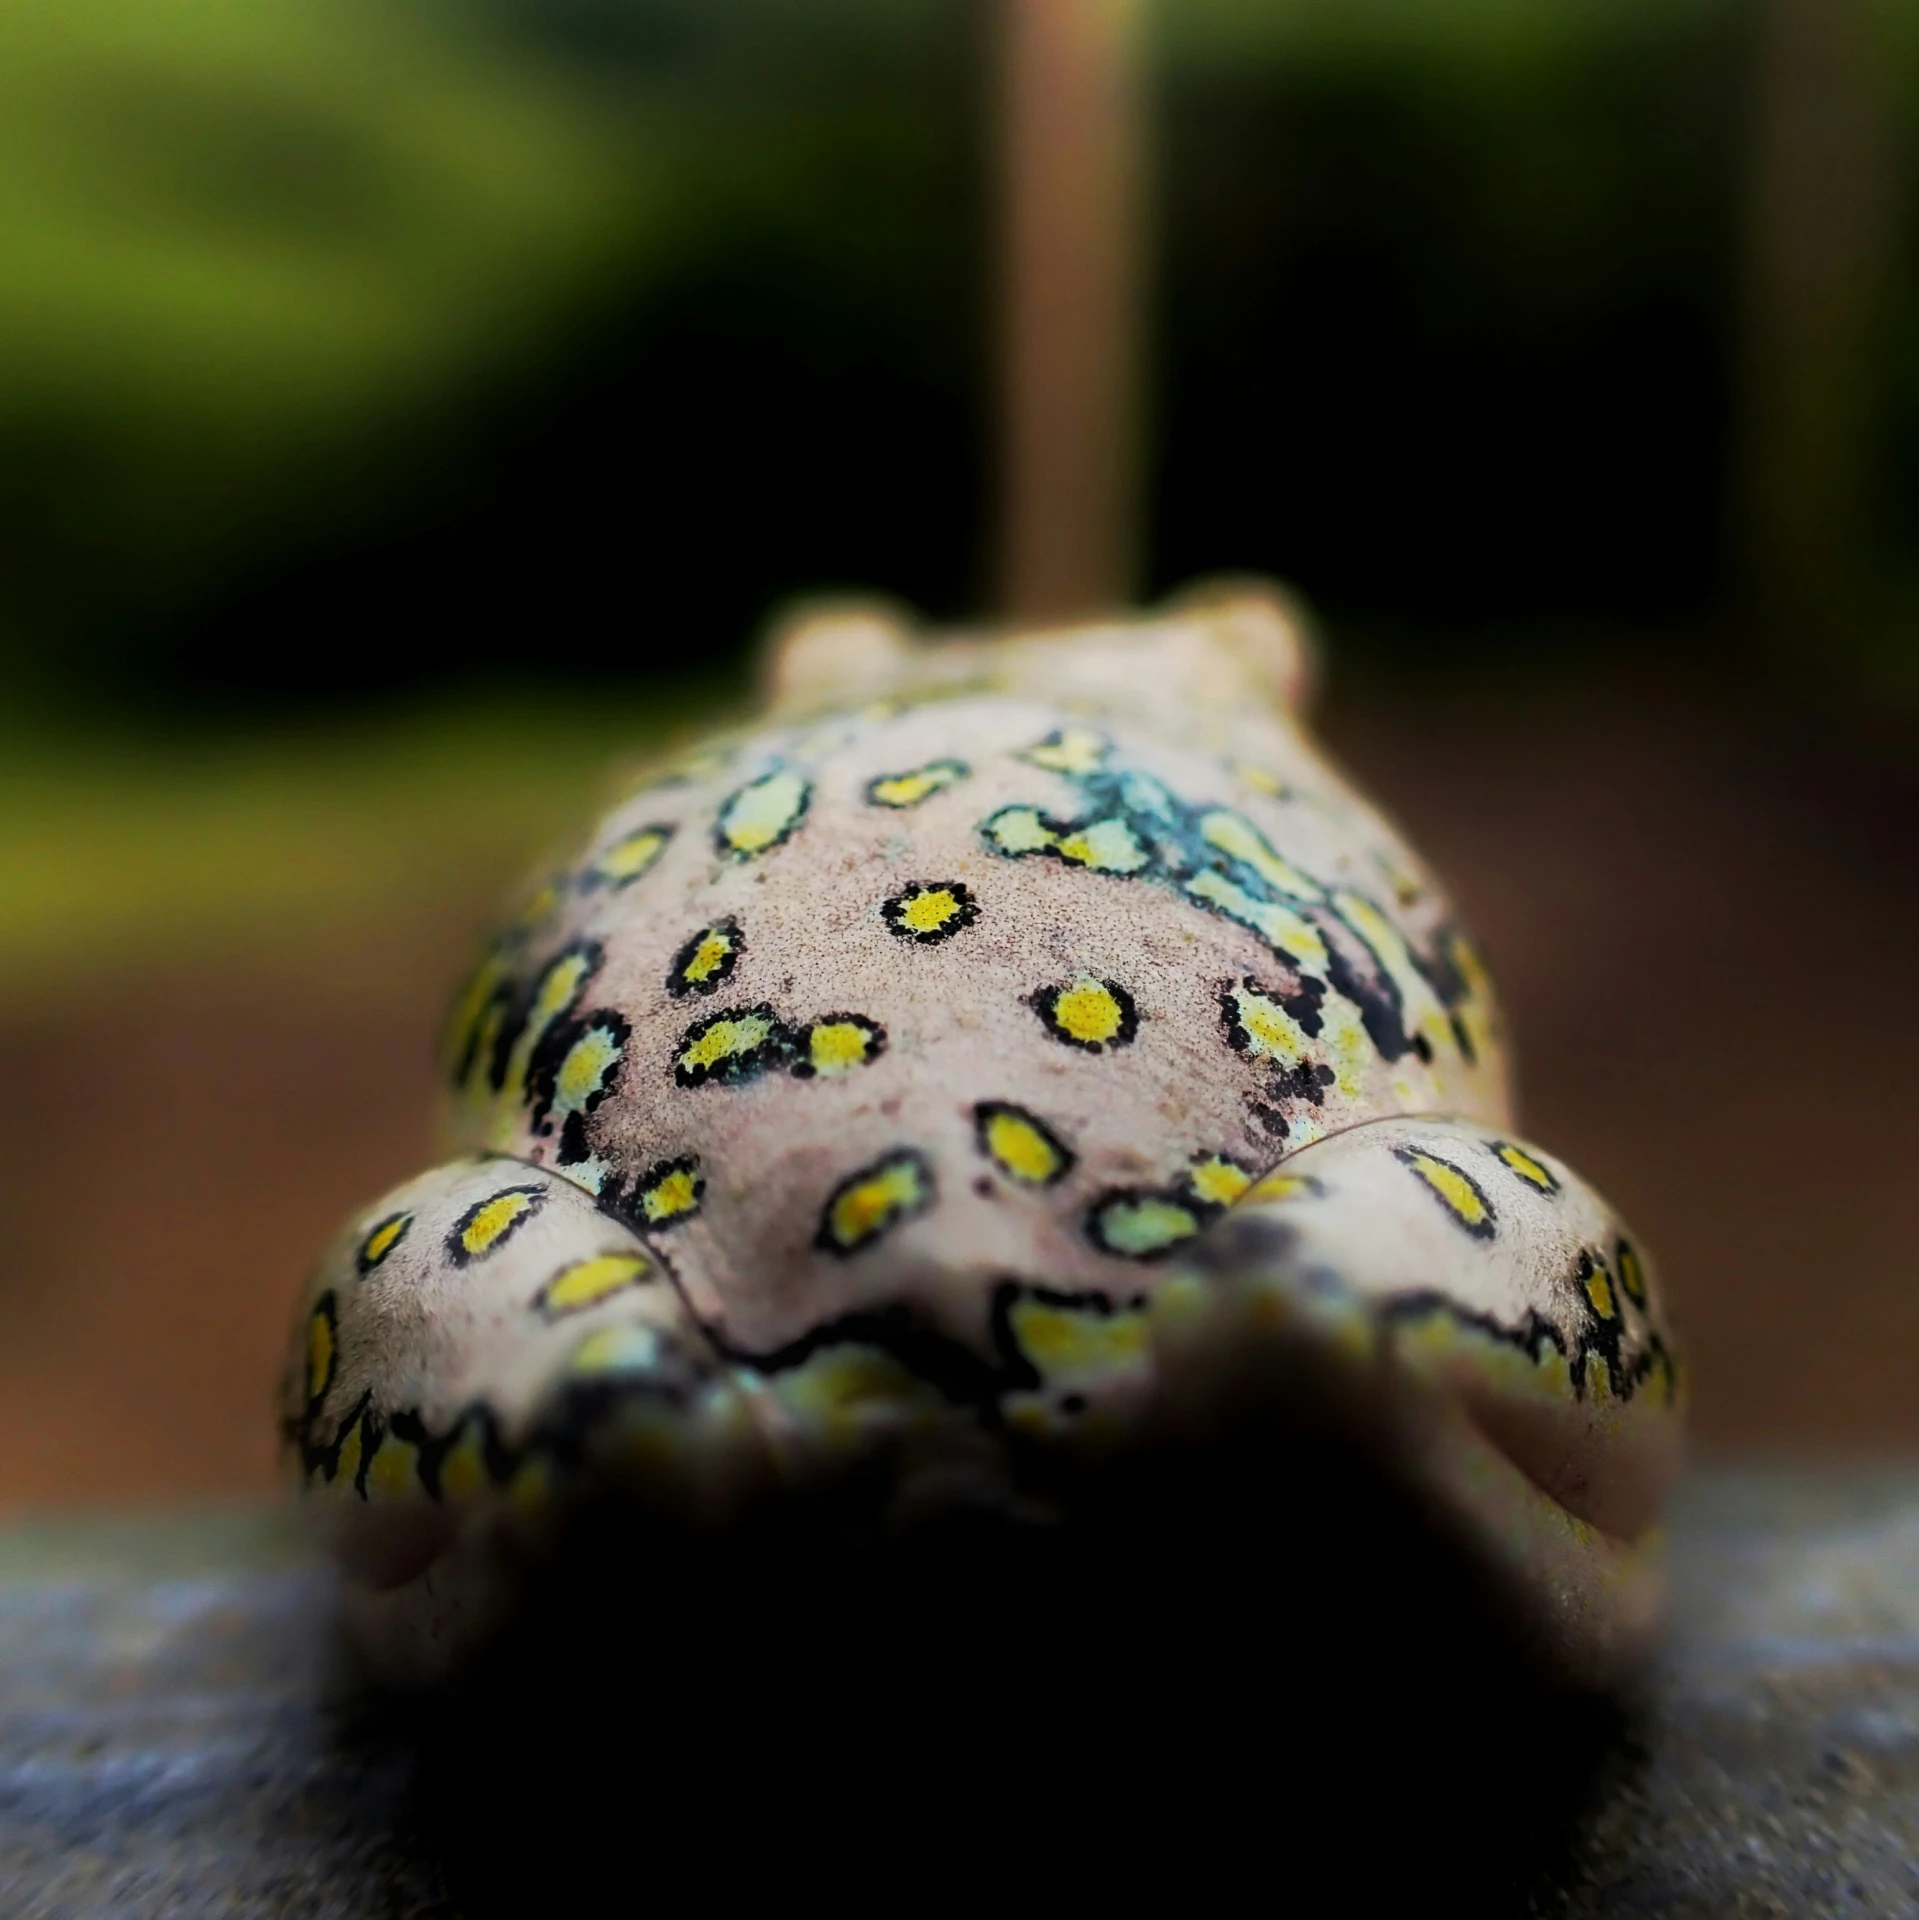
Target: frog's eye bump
(629, 858)
(381, 1238)
(930, 912)
(732, 1046)
(1088, 1013)
(1020, 1144)
(323, 1349)
(761, 814)
(1070, 750)
(874, 1200)
(706, 960)
(909, 789)
(486, 1226)
(585, 1283)
(1215, 1180)
(1632, 1276)
(1457, 1191)
(836, 1043)
(668, 1193)
(1530, 1170)
(1598, 1287)
(1137, 1223)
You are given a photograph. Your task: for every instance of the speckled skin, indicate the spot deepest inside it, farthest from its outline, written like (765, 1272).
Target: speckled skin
(1007, 1052)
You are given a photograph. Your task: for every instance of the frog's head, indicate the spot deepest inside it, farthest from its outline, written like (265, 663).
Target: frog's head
(1216, 647)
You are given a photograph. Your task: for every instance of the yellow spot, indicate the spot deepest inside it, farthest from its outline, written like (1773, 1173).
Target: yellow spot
(1237, 838)
(840, 1390)
(670, 1193)
(837, 1046)
(1072, 750)
(463, 1045)
(589, 1060)
(909, 789)
(1071, 1343)
(1420, 1005)
(492, 1221)
(560, 985)
(763, 814)
(1218, 1181)
(532, 1484)
(1260, 779)
(863, 1207)
(1107, 846)
(1279, 926)
(1598, 1377)
(321, 1352)
(1599, 1292)
(630, 857)
(1264, 1028)
(1089, 1012)
(382, 1240)
(1139, 1226)
(1632, 1276)
(714, 948)
(463, 1466)
(928, 911)
(1527, 1168)
(1461, 1198)
(587, 1282)
(617, 1350)
(346, 1467)
(1017, 830)
(392, 1469)
(1020, 1147)
(730, 1038)
(1284, 1186)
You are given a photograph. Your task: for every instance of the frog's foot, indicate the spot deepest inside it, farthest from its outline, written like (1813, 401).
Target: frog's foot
(477, 1345)
(1482, 1324)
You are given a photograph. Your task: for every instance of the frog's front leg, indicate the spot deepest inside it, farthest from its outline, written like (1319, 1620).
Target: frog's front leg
(1487, 1325)
(476, 1343)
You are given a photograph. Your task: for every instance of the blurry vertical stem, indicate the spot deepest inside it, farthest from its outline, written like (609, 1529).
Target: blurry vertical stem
(1820, 224)
(1072, 323)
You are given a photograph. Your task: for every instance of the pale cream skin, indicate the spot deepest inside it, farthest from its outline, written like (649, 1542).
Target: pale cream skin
(1010, 1047)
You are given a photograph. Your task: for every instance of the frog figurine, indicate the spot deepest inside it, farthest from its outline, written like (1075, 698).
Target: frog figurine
(998, 1058)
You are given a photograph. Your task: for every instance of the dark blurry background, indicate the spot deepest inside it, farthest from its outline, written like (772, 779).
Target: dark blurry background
(404, 410)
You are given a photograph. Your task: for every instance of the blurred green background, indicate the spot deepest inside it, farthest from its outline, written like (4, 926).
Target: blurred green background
(405, 408)
(369, 348)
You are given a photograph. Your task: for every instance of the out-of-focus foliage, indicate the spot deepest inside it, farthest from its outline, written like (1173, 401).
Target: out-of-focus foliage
(244, 253)
(349, 343)
(354, 344)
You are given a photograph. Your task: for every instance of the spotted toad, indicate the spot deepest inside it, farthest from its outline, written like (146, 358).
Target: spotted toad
(979, 1064)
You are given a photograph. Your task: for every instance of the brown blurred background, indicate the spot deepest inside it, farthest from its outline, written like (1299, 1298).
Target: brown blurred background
(405, 413)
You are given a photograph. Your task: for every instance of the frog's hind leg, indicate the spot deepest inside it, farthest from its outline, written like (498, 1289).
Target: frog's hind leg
(477, 1350)
(1490, 1331)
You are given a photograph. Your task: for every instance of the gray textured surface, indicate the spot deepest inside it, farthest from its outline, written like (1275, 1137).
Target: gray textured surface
(178, 1738)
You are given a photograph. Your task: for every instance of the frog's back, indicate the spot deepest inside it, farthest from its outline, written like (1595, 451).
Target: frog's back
(1012, 964)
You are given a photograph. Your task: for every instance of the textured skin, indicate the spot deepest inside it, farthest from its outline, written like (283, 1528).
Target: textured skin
(1009, 1052)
